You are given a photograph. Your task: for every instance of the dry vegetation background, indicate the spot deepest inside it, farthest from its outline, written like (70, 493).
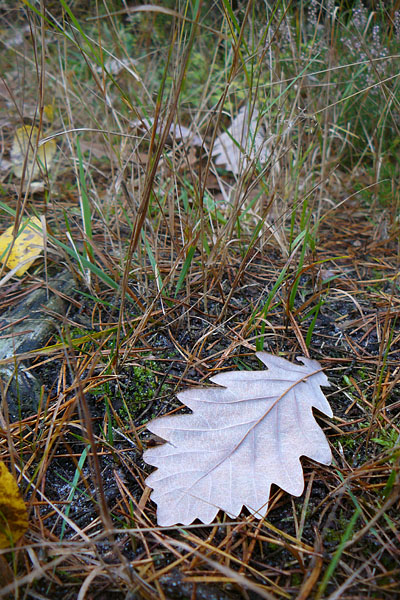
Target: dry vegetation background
(168, 268)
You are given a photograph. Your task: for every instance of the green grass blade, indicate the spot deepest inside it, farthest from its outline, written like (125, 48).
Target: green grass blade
(153, 263)
(74, 486)
(84, 202)
(185, 268)
(336, 557)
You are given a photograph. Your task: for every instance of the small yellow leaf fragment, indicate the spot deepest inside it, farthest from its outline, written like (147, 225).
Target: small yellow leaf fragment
(13, 513)
(27, 247)
(49, 112)
(24, 143)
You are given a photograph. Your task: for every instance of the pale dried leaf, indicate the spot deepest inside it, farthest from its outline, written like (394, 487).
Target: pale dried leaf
(24, 142)
(239, 440)
(176, 131)
(114, 66)
(243, 142)
(5, 165)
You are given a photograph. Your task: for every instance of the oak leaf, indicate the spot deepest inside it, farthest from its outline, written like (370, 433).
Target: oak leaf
(239, 440)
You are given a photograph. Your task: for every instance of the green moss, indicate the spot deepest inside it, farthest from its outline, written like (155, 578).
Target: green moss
(347, 442)
(296, 579)
(139, 391)
(387, 438)
(335, 534)
(135, 395)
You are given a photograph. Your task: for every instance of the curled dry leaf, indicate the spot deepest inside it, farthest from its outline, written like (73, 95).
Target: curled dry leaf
(177, 131)
(13, 514)
(114, 66)
(239, 440)
(243, 142)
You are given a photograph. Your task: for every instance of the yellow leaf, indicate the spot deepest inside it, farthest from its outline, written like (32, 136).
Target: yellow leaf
(13, 514)
(27, 247)
(49, 112)
(24, 143)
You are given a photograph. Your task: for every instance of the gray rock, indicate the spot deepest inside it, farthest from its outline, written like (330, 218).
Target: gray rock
(32, 330)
